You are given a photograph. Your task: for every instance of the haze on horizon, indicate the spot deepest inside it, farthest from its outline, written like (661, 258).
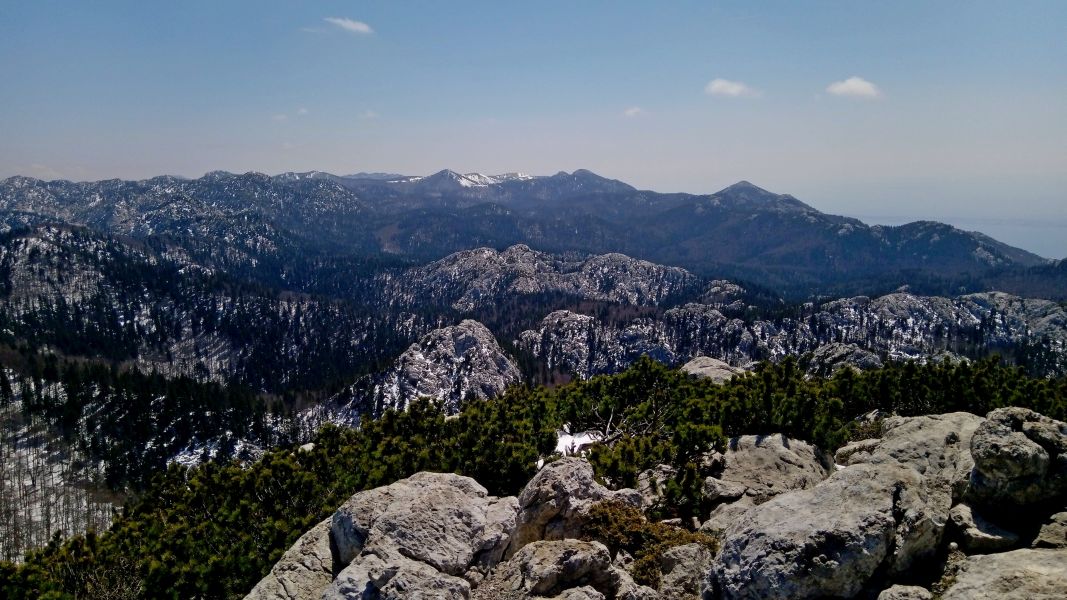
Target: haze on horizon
(890, 112)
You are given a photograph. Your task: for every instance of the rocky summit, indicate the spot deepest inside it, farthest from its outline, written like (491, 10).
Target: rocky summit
(924, 509)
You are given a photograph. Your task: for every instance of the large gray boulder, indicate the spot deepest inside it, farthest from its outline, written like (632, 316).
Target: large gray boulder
(682, 570)
(937, 446)
(831, 539)
(303, 572)
(446, 521)
(388, 575)
(763, 466)
(562, 568)
(1019, 458)
(1016, 575)
(428, 536)
(554, 503)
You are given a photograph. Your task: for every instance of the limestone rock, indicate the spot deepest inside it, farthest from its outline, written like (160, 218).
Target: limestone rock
(763, 466)
(1018, 458)
(937, 446)
(905, 592)
(1053, 533)
(577, 568)
(711, 368)
(1017, 575)
(303, 572)
(830, 539)
(977, 534)
(682, 570)
(553, 503)
(725, 515)
(388, 575)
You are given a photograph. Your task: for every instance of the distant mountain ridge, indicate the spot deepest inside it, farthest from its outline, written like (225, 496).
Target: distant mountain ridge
(741, 232)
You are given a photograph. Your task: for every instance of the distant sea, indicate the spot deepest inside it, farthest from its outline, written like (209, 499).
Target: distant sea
(1046, 238)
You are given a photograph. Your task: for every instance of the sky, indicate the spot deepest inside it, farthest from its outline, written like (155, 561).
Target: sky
(887, 111)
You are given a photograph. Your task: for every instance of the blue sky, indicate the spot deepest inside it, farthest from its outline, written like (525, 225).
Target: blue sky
(889, 111)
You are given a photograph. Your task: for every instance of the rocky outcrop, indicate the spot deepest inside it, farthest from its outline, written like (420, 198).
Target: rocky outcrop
(763, 466)
(303, 572)
(711, 368)
(1020, 458)
(827, 359)
(682, 570)
(976, 534)
(429, 535)
(831, 539)
(561, 569)
(1016, 575)
(651, 484)
(453, 365)
(554, 502)
(1053, 533)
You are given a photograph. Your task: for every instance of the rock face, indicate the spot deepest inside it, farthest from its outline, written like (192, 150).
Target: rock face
(682, 569)
(977, 534)
(830, 539)
(426, 536)
(452, 364)
(1016, 575)
(561, 569)
(1053, 534)
(553, 503)
(1020, 458)
(303, 572)
(651, 482)
(761, 467)
(711, 368)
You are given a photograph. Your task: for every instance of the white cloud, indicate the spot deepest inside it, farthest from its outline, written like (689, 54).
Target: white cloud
(350, 25)
(368, 115)
(301, 111)
(279, 118)
(854, 87)
(733, 89)
(633, 111)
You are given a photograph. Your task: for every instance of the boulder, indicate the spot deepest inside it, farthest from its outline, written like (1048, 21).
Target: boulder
(579, 569)
(1017, 575)
(831, 539)
(554, 502)
(725, 515)
(1053, 533)
(977, 534)
(763, 466)
(905, 592)
(682, 571)
(303, 572)
(937, 446)
(711, 368)
(388, 575)
(443, 520)
(830, 358)
(1018, 459)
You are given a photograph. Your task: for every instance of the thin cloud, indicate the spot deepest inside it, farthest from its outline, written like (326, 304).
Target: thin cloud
(350, 25)
(367, 115)
(301, 111)
(633, 111)
(854, 87)
(730, 89)
(279, 118)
